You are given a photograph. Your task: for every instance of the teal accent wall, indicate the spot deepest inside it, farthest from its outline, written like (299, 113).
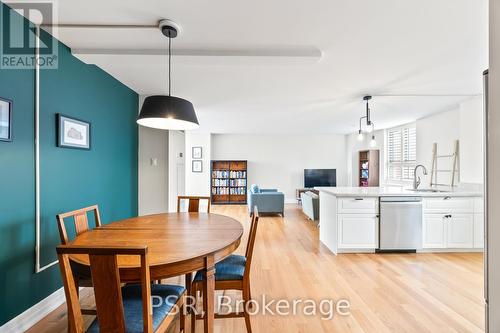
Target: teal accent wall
(70, 178)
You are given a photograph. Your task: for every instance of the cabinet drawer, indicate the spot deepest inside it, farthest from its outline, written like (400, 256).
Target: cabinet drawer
(361, 205)
(448, 205)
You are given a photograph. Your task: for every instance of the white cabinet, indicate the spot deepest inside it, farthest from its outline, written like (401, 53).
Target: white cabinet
(478, 223)
(361, 205)
(478, 230)
(448, 231)
(357, 231)
(460, 231)
(478, 205)
(448, 205)
(450, 222)
(434, 231)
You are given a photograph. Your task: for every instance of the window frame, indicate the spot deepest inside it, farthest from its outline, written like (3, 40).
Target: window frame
(400, 163)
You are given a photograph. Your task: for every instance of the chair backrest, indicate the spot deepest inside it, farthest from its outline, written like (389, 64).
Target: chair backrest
(80, 220)
(251, 240)
(107, 288)
(193, 203)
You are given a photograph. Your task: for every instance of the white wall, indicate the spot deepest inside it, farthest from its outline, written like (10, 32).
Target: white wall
(471, 140)
(464, 124)
(278, 161)
(353, 146)
(152, 178)
(443, 129)
(176, 170)
(198, 183)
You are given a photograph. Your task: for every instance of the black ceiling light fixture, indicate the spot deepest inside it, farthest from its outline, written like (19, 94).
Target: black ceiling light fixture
(369, 123)
(165, 111)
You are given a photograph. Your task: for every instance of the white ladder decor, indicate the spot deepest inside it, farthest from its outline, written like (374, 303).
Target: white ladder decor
(455, 171)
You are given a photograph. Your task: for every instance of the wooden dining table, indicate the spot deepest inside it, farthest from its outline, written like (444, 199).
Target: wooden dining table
(178, 243)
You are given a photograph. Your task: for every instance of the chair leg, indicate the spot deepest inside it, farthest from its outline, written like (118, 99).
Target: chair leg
(182, 320)
(246, 298)
(250, 306)
(189, 284)
(77, 287)
(194, 299)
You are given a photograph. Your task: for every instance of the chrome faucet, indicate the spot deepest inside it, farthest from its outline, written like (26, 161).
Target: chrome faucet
(416, 179)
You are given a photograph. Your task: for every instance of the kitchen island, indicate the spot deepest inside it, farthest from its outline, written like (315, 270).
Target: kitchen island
(452, 220)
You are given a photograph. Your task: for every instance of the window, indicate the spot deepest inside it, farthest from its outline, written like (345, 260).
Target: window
(401, 151)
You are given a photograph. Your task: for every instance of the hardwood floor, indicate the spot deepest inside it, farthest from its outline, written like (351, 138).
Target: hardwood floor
(387, 292)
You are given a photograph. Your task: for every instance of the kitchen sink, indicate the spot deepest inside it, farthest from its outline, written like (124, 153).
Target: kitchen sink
(431, 190)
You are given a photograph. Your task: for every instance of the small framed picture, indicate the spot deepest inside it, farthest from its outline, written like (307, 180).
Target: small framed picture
(5, 120)
(197, 152)
(72, 132)
(197, 166)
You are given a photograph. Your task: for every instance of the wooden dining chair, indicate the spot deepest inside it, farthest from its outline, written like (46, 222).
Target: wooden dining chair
(232, 273)
(193, 203)
(193, 207)
(81, 223)
(120, 309)
(80, 220)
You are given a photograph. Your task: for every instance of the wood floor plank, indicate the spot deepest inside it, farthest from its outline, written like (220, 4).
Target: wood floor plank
(430, 292)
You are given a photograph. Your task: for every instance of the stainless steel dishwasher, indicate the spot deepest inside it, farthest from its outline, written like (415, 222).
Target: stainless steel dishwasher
(400, 227)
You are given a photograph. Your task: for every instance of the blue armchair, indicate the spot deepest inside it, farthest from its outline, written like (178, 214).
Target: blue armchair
(266, 200)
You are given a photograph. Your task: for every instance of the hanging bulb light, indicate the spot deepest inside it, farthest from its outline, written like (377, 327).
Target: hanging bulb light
(168, 112)
(360, 136)
(369, 123)
(360, 132)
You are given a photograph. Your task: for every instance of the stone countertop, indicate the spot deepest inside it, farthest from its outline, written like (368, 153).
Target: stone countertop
(388, 191)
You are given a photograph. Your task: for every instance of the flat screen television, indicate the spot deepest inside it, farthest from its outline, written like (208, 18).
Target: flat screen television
(320, 177)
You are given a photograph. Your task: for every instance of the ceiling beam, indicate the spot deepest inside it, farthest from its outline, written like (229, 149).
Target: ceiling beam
(285, 52)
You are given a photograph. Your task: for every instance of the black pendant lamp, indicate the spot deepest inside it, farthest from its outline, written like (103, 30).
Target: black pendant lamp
(168, 112)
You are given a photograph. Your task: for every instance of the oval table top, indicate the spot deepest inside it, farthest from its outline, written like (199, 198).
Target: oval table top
(178, 243)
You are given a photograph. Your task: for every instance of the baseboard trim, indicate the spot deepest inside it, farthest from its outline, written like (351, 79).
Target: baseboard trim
(37, 312)
(439, 250)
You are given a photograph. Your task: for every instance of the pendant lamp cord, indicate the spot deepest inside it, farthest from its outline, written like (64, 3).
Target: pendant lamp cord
(169, 63)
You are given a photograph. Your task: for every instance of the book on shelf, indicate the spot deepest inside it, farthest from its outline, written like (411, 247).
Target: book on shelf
(220, 174)
(220, 190)
(237, 174)
(238, 182)
(220, 182)
(238, 191)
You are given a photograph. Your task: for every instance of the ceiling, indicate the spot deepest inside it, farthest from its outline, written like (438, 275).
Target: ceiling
(285, 66)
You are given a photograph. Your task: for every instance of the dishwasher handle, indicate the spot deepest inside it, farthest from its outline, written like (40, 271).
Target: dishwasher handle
(398, 203)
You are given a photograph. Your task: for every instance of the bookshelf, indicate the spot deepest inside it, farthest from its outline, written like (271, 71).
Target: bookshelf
(369, 168)
(228, 182)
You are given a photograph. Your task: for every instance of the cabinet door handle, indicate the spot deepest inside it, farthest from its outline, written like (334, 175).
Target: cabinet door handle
(358, 199)
(447, 198)
(447, 216)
